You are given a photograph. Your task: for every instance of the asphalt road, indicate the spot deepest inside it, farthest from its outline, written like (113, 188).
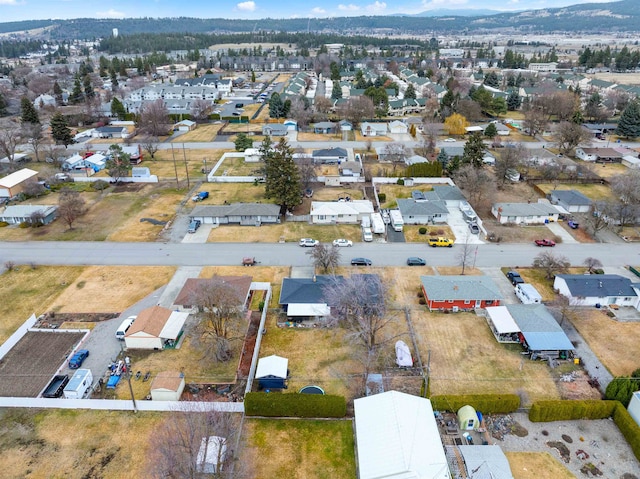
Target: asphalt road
(290, 254)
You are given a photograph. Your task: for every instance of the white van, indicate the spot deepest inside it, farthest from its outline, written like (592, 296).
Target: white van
(367, 235)
(124, 327)
(527, 294)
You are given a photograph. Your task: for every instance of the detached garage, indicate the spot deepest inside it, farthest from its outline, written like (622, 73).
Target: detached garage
(155, 328)
(167, 386)
(272, 372)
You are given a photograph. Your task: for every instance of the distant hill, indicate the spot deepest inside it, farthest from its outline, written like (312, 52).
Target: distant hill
(620, 16)
(462, 12)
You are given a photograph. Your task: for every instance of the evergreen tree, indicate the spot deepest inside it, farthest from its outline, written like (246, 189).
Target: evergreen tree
(276, 106)
(443, 159)
(577, 117)
(491, 131)
(118, 165)
(3, 105)
(243, 142)
(473, 150)
(629, 124)
(76, 95)
(57, 93)
(410, 92)
(282, 181)
(60, 130)
(114, 79)
(513, 101)
(336, 91)
(88, 88)
(335, 71)
(491, 79)
(117, 109)
(29, 114)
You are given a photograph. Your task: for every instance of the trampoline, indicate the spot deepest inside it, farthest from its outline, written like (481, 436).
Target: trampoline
(312, 390)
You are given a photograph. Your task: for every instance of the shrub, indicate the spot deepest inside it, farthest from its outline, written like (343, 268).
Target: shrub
(3, 224)
(100, 185)
(485, 403)
(294, 405)
(400, 181)
(557, 239)
(420, 294)
(261, 306)
(422, 301)
(422, 231)
(24, 224)
(628, 427)
(433, 233)
(382, 197)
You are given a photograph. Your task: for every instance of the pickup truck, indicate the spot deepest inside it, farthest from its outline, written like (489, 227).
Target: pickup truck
(56, 386)
(203, 195)
(433, 242)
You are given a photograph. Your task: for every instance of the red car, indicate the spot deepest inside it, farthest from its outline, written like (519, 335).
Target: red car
(545, 242)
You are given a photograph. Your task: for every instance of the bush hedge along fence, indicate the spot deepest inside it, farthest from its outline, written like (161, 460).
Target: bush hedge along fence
(485, 403)
(294, 405)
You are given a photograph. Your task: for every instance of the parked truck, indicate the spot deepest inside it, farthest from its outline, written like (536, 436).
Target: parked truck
(397, 223)
(55, 388)
(377, 223)
(79, 384)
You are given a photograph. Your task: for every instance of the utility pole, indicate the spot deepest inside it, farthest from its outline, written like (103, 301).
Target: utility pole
(175, 166)
(186, 168)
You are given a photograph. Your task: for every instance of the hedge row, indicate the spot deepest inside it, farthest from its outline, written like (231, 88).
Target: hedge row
(294, 405)
(485, 403)
(544, 411)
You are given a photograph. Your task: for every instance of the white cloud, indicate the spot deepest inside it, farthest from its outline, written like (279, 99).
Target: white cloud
(111, 13)
(247, 6)
(318, 10)
(441, 3)
(349, 8)
(8, 2)
(376, 7)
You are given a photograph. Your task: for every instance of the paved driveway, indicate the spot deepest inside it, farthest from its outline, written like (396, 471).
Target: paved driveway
(460, 228)
(506, 288)
(200, 236)
(558, 230)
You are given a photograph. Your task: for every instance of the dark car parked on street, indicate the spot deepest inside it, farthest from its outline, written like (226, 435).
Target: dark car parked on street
(361, 262)
(415, 261)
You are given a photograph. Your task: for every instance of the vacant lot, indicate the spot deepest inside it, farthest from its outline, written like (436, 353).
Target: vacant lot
(76, 444)
(323, 193)
(289, 232)
(25, 291)
(238, 167)
(536, 465)
(320, 136)
(233, 193)
(29, 366)
(203, 133)
(515, 233)
(611, 340)
(110, 289)
(305, 449)
(466, 359)
(168, 164)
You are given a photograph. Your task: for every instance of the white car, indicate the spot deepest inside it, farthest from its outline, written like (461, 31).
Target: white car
(308, 242)
(450, 140)
(342, 242)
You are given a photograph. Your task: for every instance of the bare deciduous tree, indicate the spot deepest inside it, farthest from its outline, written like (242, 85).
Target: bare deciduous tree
(71, 206)
(33, 189)
(307, 171)
(150, 145)
(220, 314)
(322, 106)
(509, 158)
(596, 220)
(36, 219)
(9, 139)
(201, 109)
(154, 118)
(325, 258)
(550, 263)
(357, 109)
(39, 84)
(33, 133)
(395, 152)
(592, 264)
(535, 121)
(627, 187)
(569, 135)
(465, 252)
(478, 184)
(183, 434)
(300, 111)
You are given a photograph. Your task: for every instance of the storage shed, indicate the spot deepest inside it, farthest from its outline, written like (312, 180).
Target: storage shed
(167, 386)
(272, 372)
(155, 328)
(468, 418)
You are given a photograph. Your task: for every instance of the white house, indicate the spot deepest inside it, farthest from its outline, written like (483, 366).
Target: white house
(397, 437)
(167, 386)
(373, 129)
(17, 214)
(398, 127)
(155, 328)
(603, 289)
(524, 213)
(634, 407)
(332, 212)
(587, 154)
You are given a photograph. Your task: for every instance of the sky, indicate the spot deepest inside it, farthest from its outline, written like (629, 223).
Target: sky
(12, 10)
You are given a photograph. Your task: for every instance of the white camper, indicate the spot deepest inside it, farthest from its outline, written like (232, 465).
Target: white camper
(396, 220)
(527, 294)
(79, 384)
(378, 223)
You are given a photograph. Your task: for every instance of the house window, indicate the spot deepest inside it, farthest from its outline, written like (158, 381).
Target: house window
(450, 301)
(489, 302)
(467, 302)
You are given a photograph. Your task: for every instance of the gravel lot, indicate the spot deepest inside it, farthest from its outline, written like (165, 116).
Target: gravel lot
(601, 440)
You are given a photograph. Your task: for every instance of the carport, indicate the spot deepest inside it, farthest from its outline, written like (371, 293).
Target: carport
(502, 325)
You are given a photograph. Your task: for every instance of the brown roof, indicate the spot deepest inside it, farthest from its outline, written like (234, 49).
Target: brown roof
(170, 380)
(150, 321)
(242, 284)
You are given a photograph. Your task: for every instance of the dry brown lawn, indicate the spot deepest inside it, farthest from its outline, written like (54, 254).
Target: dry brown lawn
(395, 192)
(412, 233)
(591, 191)
(238, 167)
(244, 128)
(611, 340)
(373, 139)
(164, 167)
(536, 465)
(457, 270)
(319, 137)
(110, 289)
(25, 291)
(606, 171)
(78, 444)
(233, 193)
(305, 449)
(466, 359)
(515, 233)
(289, 232)
(334, 193)
(404, 283)
(203, 133)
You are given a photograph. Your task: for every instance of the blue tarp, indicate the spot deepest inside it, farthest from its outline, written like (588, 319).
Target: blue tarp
(113, 382)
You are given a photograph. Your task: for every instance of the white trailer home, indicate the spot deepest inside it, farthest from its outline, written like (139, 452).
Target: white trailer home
(79, 384)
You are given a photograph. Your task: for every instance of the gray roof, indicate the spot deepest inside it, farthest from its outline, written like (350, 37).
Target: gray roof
(486, 462)
(570, 197)
(539, 328)
(24, 211)
(329, 152)
(306, 290)
(237, 209)
(452, 151)
(597, 285)
(441, 288)
(448, 192)
(421, 208)
(525, 209)
(325, 124)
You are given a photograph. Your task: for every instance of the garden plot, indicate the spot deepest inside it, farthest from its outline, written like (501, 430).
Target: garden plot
(29, 366)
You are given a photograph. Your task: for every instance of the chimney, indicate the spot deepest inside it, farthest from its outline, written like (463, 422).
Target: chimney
(314, 278)
(600, 284)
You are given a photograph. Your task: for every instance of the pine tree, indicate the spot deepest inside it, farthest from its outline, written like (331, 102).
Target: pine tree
(76, 95)
(410, 92)
(60, 130)
(336, 91)
(29, 114)
(491, 131)
(513, 101)
(276, 106)
(117, 109)
(88, 88)
(57, 93)
(473, 150)
(282, 180)
(3, 105)
(629, 124)
(443, 159)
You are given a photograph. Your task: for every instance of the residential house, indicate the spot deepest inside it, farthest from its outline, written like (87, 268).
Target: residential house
(450, 194)
(525, 213)
(397, 127)
(93, 161)
(330, 156)
(17, 214)
(43, 101)
(415, 159)
(594, 289)
(303, 298)
(325, 127)
(275, 129)
(571, 200)
(397, 437)
(599, 155)
(15, 183)
(239, 285)
(155, 328)
(167, 386)
(460, 293)
(110, 132)
(134, 152)
(373, 129)
(350, 168)
(245, 214)
(420, 212)
(335, 212)
(185, 125)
